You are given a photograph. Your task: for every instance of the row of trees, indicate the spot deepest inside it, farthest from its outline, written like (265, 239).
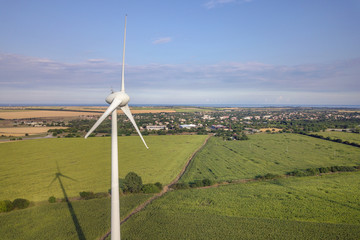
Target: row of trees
(310, 172)
(194, 184)
(338, 140)
(19, 203)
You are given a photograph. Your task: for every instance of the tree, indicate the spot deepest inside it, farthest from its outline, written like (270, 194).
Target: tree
(52, 199)
(132, 183)
(21, 203)
(6, 206)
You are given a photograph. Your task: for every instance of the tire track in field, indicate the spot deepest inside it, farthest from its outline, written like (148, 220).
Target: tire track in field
(163, 191)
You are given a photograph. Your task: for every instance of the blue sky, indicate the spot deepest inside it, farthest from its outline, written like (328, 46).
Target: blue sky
(181, 52)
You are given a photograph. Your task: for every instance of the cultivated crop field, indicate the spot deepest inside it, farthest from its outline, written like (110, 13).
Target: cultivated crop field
(88, 219)
(320, 207)
(51, 112)
(267, 153)
(21, 131)
(28, 168)
(345, 136)
(42, 114)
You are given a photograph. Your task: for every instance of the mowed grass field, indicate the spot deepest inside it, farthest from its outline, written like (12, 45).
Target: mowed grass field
(88, 219)
(267, 153)
(28, 168)
(345, 136)
(320, 207)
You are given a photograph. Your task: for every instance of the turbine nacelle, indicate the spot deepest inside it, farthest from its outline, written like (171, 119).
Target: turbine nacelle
(122, 96)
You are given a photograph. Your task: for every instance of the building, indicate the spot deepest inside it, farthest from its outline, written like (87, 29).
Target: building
(217, 127)
(188, 126)
(155, 127)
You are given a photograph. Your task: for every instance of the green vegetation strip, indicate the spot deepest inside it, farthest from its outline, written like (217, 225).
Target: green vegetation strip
(320, 207)
(28, 169)
(267, 153)
(344, 136)
(86, 219)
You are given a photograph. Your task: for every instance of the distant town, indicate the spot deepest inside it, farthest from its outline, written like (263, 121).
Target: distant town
(230, 123)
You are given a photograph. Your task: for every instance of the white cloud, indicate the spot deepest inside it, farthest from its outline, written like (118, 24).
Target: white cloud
(96, 60)
(162, 40)
(214, 3)
(89, 81)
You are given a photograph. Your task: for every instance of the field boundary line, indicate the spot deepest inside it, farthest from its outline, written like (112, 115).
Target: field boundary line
(164, 190)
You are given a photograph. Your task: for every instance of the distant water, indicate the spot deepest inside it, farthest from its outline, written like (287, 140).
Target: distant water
(195, 105)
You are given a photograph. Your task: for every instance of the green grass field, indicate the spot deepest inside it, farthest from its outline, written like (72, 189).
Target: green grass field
(320, 207)
(345, 136)
(267, 153)
(28, 168)
(88, 219)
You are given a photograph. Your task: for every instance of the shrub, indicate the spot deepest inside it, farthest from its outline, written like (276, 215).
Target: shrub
(244, 137)
(268, 176)
(87, 195)
(207, 182)
(271, 176)
(21, 203)
(343, 168)
(101, 195)
(159, 185)
(347, 168)
(52, 199)
(297, 173)
(311, 171)
(180, 186)
(324, 170)
(150, 188)
(6, 206)
(196, 183)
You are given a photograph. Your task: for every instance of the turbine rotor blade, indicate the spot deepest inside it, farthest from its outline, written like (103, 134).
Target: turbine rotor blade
(115, 103)
(123, 61)
(127, 112)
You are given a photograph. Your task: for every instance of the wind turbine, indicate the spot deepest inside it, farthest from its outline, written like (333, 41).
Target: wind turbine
(116, 99)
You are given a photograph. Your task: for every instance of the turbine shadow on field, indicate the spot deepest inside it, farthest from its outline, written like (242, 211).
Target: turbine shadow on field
(314, 195)
(58, 176)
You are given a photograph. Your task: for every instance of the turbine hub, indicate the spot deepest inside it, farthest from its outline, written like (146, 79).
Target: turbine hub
(119, 95)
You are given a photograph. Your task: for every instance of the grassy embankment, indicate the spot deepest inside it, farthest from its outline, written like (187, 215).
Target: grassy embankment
(29, 167)
(267, 153)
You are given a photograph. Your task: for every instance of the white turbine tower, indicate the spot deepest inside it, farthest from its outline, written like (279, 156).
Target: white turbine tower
(116, 99)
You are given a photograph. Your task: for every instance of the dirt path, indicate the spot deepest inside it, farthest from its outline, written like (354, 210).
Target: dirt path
(164, 190)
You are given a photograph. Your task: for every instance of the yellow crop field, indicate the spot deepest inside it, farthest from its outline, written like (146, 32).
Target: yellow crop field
(21, 131)
(42, 114)
(51, 114)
